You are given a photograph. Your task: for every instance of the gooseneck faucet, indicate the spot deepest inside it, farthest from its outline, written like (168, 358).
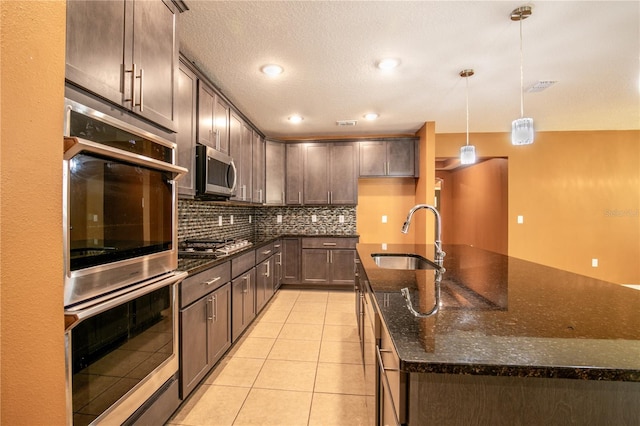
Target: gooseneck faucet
(439, 253)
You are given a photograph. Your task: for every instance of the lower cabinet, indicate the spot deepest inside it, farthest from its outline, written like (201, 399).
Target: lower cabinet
(290, 261)
(243, 297)
(328, 261)
(264, 282)
(205, 336)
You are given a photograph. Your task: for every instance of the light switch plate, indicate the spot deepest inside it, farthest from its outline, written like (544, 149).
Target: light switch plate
(594, 263)
(219, 220)
(279, 218)
(384, 218)
(314, 218)
(341, 218)
(520, 219)
(231, 219)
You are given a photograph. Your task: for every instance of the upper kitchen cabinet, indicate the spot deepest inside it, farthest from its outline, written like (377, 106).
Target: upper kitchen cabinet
(294, 173)
(274, 173)
(258, 168)
(186, 126)
(394, 158)
(213, 119)
(330, 173)
(241, 149)
(127, 53)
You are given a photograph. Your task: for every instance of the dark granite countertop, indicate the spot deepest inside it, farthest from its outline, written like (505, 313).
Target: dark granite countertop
(504, 316)
(195, 265)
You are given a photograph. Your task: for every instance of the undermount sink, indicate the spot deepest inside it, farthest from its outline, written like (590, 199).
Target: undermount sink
(403, 261)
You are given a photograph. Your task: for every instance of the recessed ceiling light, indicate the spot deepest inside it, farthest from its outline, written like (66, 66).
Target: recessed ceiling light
(388, 64)
(371, 116)
(272, 70)
(296, 118)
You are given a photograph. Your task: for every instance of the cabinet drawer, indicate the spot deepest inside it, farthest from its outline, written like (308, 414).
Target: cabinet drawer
(242, 263)
(196, 286)
(329, 243)
(265, 252)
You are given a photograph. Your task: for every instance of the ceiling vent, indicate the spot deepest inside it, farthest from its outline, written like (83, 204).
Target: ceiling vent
(346, 123)
(541, 85)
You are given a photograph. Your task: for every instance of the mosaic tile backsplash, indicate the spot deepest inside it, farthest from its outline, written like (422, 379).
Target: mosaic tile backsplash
(201, 219)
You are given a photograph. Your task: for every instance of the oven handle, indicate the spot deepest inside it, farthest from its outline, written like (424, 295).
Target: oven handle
(75, 315)
(73, 146)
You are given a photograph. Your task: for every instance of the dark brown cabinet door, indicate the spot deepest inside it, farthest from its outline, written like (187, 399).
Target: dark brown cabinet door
(219, 322)
(274, 172)
(186, 125)
(95, 47)
(155, 53)
(294, 174)
(316, 174)
(343, 266)
(291, 260)
(206, 99)
(221, 114)
(401, 158)
(243, 300)
(194, 348)
(316, 266)
(258, 168)
(343, 183)
(373, 158)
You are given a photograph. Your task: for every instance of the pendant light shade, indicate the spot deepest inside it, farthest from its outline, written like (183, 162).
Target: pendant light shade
(467, 152)
(521, 128)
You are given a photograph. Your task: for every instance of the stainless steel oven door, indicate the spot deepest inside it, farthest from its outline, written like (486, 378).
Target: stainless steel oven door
(120, 350)
(119, 213)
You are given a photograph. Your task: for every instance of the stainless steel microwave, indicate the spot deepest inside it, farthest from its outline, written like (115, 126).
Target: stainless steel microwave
(215, 174)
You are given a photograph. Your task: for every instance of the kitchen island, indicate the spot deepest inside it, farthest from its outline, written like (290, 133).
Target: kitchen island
(513, 342)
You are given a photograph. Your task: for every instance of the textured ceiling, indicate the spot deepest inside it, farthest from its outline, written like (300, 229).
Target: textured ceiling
(329, 50)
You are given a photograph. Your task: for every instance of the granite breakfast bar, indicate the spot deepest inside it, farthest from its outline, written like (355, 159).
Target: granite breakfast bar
(513, 342)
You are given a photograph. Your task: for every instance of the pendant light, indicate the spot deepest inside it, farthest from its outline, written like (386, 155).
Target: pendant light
(521, 128)
(467, 152)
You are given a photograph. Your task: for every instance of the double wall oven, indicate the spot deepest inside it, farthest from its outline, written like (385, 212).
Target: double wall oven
(120, 256)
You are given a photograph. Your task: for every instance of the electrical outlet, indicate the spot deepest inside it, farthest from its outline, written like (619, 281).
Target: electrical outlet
(384, 246)
(341, 218)
(594, 263)
(231, 219)
(314, 218)
(279, 218)
(384, 218)
(520, 219)
(249, 218)
(219, 220)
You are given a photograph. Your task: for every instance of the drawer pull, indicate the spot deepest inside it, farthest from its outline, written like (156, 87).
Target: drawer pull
(212, 281)
(266, 252)
(330, 244)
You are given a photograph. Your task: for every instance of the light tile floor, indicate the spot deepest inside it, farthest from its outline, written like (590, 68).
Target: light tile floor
(299, 363)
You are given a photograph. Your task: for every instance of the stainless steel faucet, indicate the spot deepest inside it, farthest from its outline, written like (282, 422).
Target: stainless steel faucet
(439, 253)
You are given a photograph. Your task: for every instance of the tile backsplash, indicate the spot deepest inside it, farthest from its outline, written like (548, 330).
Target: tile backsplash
(202, 219)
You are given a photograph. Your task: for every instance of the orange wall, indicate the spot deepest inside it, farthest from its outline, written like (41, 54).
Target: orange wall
(391, 197)
(474, 205)
(32, 390)
(579, 193)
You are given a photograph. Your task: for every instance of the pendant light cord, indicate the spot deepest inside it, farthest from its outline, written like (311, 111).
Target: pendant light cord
(521, 74)
(467, 83)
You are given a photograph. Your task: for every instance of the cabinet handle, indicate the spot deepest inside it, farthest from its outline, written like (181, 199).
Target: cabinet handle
(141, 77)
(268, 273)
(217, 139)
(299, 194)
(132, 99)
(385, 382)
(215, 308)
(328, 256)
(283, 198)
(210, 309)
(212, 281)
(279, 262)
(260, 195)
(331, 256)
(330, 244)
(266, 252)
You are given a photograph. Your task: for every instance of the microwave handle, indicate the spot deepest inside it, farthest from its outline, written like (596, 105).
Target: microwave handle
(235, 175)
(73, 146)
